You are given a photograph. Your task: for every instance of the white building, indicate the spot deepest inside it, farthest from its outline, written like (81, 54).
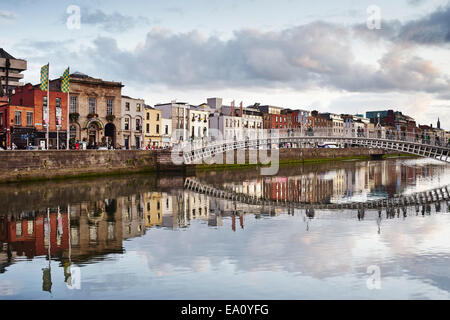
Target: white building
(355, 125)
(132, 122)
(234, 123)
(198, 123)
(337, 127)
(166, 132)
(252, 122)
(178, 113)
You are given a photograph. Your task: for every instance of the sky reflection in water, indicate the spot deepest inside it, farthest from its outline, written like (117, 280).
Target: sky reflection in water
(142, 238)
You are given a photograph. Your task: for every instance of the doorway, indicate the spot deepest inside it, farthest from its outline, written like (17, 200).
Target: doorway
(110, 132)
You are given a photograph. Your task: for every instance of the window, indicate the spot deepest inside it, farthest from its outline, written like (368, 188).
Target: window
(44, 102)
(1, 119)
(91, 105)
(110, 230)
(73, 104)
(58, 102)
(18, 118)
(29, 119)
(167, 129)
(127, 123)
(157, 129)
(30, 227)
(109, 107)
(148, 128)
(127, 106)
(138, 107)
(138, 124)
(148, 115)
(157, 117)
(18, 228)
(73, 132)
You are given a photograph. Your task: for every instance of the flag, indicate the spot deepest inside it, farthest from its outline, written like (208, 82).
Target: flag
(44, 77)
(65, 85)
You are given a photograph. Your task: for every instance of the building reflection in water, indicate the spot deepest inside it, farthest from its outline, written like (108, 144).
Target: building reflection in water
(365, 180)
(87, 232)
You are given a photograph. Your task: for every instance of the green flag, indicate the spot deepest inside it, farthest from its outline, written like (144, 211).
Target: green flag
(65, 84)
(44, 77)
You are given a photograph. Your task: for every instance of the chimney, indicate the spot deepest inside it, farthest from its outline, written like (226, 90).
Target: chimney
(240, 110)
(232, 108)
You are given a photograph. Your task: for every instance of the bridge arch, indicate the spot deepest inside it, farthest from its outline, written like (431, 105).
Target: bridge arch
(407, 144)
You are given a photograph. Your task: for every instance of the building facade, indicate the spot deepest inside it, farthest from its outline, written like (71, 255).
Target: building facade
(337, 123)
(252, 123)
(198, 123)
(166, 133)
(16, 126)
(273, 117)
(178, 113)
(94, 110)
(10, 74)
(132, 131)
(152, 128)
(36, 119)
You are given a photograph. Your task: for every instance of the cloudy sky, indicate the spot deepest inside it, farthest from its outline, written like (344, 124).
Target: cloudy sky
(296, 54)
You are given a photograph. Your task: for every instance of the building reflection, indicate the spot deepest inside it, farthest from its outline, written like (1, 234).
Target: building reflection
(86, 232)
(366, 179)
(31, 234)
(95, 229)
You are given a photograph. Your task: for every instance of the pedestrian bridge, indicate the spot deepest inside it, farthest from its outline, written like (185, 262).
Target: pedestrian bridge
(431, 146)
(436, 195)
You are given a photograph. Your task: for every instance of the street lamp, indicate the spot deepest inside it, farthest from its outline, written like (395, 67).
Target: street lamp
(8, 134)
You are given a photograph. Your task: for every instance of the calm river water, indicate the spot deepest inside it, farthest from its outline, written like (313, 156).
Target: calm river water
(145, 237)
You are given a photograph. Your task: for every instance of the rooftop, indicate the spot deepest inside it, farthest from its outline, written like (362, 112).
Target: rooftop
(5, 55)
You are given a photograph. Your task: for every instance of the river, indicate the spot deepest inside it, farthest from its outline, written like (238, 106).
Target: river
(146, 237)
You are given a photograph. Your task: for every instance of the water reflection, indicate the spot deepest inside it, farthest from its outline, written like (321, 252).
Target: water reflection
(96, 222)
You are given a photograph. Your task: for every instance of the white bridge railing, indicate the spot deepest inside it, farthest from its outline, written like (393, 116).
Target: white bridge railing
(427, 145)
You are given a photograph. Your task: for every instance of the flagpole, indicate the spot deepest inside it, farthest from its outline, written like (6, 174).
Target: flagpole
(48, 106)
(67, 129)
(68, 109)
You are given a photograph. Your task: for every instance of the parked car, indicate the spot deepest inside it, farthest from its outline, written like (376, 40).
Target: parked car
(102, 148)
(32, 148)
(328, 145)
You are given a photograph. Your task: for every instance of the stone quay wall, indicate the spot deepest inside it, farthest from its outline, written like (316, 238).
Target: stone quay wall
(44, 165)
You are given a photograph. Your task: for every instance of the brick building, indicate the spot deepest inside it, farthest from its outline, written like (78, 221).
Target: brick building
(16, 126)
(391, 118)
(273, 117)
(32, 97)
(318, 123)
